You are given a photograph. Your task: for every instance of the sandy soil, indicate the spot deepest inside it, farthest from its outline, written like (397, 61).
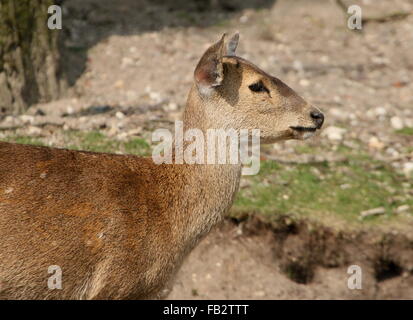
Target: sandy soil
(227, 265)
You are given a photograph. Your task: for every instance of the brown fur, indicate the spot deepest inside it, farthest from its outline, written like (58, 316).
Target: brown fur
(119, 226)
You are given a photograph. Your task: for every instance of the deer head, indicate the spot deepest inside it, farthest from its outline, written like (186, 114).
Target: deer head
(235, 93)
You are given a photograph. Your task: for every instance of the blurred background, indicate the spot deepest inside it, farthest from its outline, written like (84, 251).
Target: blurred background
(117, 70)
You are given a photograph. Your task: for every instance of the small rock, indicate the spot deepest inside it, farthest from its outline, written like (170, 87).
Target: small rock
(408, 168)
(243, 19)
(122, 136)
(9, 119)
(69, 110)
(324, 59)
(120, 115)
(408, 122)
(298, 66)
(113, 131)
(155, 96)
(126, 62)
(339, 114)
(372, 212)
(119, 84)
(135, 131)
(304, 83)
(131, 94)
(337, 99)
(393, 152)
(375, 143)
(396, 123)
(33, 131)
(27, 119)
(402, 208)
(334, 133)
(380, 111)
(172, 106)
(380, 60)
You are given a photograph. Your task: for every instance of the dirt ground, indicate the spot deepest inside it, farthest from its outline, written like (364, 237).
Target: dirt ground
(137, 59)
(227, 265)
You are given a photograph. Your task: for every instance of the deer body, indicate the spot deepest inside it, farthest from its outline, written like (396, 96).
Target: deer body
(119, 226)
(115, 226)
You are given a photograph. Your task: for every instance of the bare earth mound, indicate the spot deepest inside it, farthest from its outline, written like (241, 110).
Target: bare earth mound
(295, 262)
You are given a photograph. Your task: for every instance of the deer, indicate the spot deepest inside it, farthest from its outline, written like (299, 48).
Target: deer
(120, 226)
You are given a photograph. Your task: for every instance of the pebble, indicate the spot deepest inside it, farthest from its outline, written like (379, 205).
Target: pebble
(375, 143)
(155, 96)
(9, 119)
(393, 152)
(32, 131)
(113, 131)
(243, 19)
(135, 131)
(372, 212)
(119, 84)
(172, 106)
(126, 62)
(396, 123)
(338, 114)
(304, 83)
(70, 110)
(324, 59)
(27, 119)
(120, 115)
(298, 66)
(402, 208)
(334, 133)
(380, 111)
(408, 168)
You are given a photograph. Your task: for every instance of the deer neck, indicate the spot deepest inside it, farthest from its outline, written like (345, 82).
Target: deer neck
(211, 187)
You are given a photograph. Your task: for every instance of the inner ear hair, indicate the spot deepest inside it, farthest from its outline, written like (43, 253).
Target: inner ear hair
(209, 71)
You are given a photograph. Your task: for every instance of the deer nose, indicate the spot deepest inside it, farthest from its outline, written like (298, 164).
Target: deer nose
(318, 118)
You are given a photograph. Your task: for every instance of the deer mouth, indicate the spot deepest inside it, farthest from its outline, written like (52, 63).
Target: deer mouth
(302, 133)
(304, 129)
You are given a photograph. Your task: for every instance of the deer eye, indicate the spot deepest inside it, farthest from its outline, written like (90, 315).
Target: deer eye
(258, 87)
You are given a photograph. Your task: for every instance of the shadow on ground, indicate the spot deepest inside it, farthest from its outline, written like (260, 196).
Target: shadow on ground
(87, 22)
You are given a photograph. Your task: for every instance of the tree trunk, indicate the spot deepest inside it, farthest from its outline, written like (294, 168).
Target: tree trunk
(29, 55)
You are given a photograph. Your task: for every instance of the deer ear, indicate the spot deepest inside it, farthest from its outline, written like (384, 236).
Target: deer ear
(209, 71)
(232, 44)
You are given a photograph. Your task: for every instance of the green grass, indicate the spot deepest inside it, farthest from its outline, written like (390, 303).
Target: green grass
(405, 131)
(137, 146)
(302, 148)
(92, 141)
(24, 140)
(336, 191)
(98, 142)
